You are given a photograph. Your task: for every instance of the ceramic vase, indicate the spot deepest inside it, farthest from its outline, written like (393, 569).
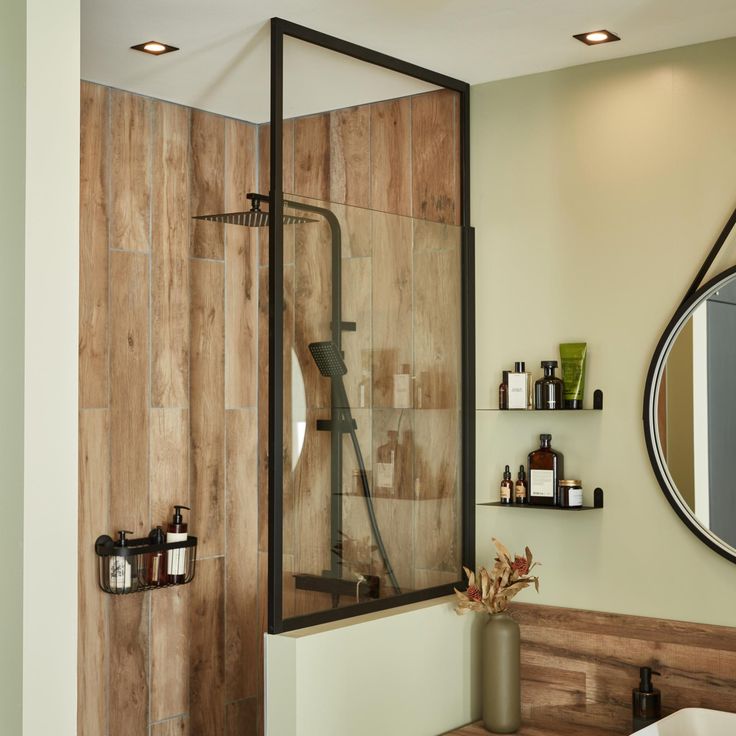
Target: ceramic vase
(501, 674)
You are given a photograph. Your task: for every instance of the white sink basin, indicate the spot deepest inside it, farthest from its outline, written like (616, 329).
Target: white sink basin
(693, 722)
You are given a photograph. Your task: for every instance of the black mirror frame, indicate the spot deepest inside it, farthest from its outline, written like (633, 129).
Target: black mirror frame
(651, 431)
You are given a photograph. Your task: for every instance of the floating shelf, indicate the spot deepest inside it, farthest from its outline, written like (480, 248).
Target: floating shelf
(597, 504)
(597, 406)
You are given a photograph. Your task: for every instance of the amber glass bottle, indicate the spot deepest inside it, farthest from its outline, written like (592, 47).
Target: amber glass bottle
(545, 470)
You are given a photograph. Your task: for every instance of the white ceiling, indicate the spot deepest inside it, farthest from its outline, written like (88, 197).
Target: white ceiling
(223, 65)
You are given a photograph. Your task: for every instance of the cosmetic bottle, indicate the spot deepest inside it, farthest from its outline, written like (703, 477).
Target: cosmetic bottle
(156, 566)
(646, 701)
(521, 490)
(121, 567)
(176, 558)
(519, 382)
(503, 391)
(570, 494)
(548, 390)
(545, 470)
(507, 487)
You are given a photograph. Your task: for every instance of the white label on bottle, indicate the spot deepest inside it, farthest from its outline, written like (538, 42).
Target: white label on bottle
(176, 558)
(385, 475)
(542, 483)
(402, 391)
(517, 385)
(574, 496)
(120, 574)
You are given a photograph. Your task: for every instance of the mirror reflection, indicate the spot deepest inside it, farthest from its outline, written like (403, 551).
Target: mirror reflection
(696, 411)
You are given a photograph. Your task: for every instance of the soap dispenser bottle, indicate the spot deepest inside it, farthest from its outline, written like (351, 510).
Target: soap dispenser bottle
(176, 558)
(121, 567)
(155, 572)
(646, 701)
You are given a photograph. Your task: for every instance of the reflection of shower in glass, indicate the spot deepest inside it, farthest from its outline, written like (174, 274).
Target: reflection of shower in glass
(328, 357)
(331, 365)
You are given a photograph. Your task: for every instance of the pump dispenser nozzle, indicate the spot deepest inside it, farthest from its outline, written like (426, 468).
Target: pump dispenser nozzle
(645, 679)
(178, 518)
(122, 541)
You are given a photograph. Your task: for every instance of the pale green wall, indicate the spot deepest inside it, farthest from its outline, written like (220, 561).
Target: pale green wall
(597, 192)
(12, 214)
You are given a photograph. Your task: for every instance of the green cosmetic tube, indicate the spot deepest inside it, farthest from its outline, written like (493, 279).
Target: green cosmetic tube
(572, 358)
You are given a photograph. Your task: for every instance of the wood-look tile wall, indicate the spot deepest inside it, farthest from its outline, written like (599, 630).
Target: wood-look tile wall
(168, 414)
(174, 376)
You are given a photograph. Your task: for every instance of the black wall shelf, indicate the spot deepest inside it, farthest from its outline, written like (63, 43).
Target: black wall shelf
(597, 504)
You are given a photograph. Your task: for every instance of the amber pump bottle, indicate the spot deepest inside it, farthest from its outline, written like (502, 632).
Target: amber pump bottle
(176, 558)
(646, 700)
(546, 467)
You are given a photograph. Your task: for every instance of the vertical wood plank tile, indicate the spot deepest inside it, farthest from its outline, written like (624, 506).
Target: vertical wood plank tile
(241, 718)
(263, 628)
(437, 329)
(93, 248)
(169, 462)
(435, 186)
(207, 183)
(129, 356)
(170, 637)
(391, 156)
(241, 563)
(241, 273)
(350, 156)
(438, 529)
(436, 462)
(357, 275)
(392, 304)
(94, 481)
(130, 175)
(173, 727)
(207, 405)
(170, 257)
(128, 691)
(263, 410)
(206, 649)
(312, 156)
(264, 183)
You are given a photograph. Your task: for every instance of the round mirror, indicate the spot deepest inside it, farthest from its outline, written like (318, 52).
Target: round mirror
(690, 413)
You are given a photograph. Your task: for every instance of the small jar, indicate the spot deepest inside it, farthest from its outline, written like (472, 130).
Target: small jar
(570, 494)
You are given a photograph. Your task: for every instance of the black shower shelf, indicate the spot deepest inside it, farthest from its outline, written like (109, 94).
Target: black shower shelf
(597, 504)
(597, 406)
(138, 554)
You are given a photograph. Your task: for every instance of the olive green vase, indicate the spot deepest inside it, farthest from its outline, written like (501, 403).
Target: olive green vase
(501, 674)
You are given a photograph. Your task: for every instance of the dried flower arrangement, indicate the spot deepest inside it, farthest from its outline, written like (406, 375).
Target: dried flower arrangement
(493, 590)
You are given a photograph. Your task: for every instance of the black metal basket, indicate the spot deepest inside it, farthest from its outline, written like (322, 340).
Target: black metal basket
(144, 565)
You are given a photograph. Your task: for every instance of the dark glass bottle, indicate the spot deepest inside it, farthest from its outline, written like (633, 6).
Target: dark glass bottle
(548, 390)
(521, 489)
(156, 567)
(503, 391)
(646, 701)
(546, 467)
(507, 487)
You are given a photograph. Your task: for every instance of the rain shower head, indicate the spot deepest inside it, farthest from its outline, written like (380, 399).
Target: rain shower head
(328, 359)
(254, 217)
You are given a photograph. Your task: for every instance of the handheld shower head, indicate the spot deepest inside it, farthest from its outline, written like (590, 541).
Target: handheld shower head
(328, 359)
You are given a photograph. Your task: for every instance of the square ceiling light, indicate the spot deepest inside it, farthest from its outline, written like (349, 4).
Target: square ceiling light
(595, 38)
(154, 47)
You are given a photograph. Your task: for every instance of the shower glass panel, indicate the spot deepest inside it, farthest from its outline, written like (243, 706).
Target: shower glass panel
(374, 489)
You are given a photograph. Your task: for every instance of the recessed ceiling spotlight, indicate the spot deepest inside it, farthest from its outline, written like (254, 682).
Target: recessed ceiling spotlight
(154, 47)
(593, 38)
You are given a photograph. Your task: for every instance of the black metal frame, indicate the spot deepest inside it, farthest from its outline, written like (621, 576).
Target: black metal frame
(694, 295)
(276, 624)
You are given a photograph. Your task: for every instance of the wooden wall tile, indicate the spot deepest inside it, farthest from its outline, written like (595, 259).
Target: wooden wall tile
(241, 273)
(263, 628)
(263, 410)
(169, 462)
(129, 397)
(392, 304)
(437, 524)
(312, 156)
(241, 563)
(130, 173)
(207, 405)
(173, 727)
(170, 639)
(207, 184)
(391, 156)
(350, 156)
(435, 163)
(206, 649)
(437, 454)
(357, 306)
(437, 329)
(93, 253)
(170, 257)
(128, 690)
(264, 184)
(94, 486)
(241, 718)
